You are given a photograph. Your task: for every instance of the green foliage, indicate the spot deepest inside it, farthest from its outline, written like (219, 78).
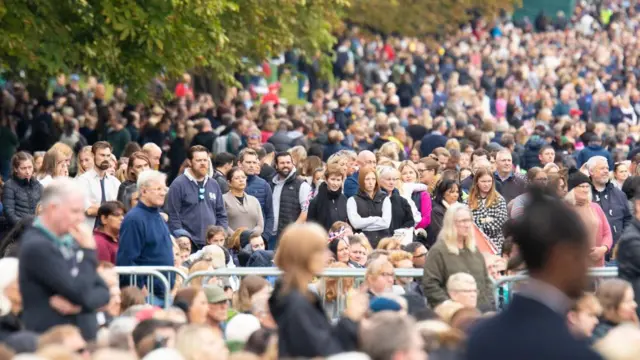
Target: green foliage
(130, 41)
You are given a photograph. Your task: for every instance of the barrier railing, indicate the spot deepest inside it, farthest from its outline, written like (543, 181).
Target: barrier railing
(150, 272)
(504, 285)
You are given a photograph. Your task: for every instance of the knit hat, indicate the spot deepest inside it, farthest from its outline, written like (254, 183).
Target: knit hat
(182, 233)
(577, 179)
(245, 236)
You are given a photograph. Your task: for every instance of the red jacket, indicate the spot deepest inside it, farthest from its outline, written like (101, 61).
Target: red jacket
(106, 246)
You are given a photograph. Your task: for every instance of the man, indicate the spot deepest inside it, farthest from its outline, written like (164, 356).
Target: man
(280, 140)
(154, 153)
(256, 186)
(266, 154)
(546, 155)
(233, 141)
(205, 136)
(436, 138)
(110, 214)
(593, 148)
(462, 288)
(144, 236)
(419, 255)
(366, 160)
(99, 187)
(58, 265)
(290, 196)
(611, 199)
(194, 201)
(549, 236)
(512, 183)
(629, 251)
(254, 140)
(222, 163)
(218, 306)
(118, 136)
(442, 155)
(475, 167)
(66, 336)
(391, 335)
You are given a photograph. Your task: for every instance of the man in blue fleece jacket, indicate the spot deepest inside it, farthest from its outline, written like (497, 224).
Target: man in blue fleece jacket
(144, 236)
(195, 201)
(258, 187)
(366, 159)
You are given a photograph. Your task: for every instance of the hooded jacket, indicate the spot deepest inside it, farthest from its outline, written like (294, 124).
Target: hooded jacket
(593, 150)
(531, 150)
(614, 204)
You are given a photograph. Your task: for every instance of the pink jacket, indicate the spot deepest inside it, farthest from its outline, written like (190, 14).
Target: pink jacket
(604, 237)
(425, 210)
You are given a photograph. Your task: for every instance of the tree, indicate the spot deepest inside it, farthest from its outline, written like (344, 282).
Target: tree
(129, 42)
(420, 17)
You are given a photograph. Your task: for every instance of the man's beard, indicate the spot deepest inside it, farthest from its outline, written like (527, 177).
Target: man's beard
(200, 171)
(104, 165)
(284, 172)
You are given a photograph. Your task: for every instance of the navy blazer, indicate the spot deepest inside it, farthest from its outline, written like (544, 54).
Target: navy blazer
(526, 330)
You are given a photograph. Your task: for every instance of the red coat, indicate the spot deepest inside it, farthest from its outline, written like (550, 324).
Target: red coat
(106, 246)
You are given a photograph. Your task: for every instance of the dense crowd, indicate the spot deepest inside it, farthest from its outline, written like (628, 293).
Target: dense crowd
(510, 146)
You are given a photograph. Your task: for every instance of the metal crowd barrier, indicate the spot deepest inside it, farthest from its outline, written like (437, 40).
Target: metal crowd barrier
(150, 273)
(505, 286)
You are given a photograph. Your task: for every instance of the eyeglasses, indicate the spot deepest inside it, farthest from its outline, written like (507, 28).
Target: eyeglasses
(201, 195)
(419, 255)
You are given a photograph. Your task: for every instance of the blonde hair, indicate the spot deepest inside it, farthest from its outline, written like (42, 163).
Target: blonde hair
(390, 150)
(375, 267)
(447, 309)
(570, 198)
(201, 265)
(389, 243)
(84, 151)
(455, 280)
(331, 284)
(449, 234)
(298, 155)
(9, 271)
(189, 341)
(399, 255)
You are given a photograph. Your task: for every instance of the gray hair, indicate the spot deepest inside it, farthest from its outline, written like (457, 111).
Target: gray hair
(120, 332)
(593, 161)
(148, 147)
(386, 333)
(454, 281)
(149, 176)
(59, 190)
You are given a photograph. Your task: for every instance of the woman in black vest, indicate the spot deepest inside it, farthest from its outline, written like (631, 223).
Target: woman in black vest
(401, 212)
(369, 211)
(329, 205)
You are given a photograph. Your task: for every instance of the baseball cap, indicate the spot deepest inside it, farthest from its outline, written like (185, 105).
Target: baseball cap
(215, 294)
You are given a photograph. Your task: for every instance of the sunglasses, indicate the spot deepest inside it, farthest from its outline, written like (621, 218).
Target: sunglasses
(201, 195)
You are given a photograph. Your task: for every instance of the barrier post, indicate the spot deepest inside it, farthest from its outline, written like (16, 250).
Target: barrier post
(150, 272)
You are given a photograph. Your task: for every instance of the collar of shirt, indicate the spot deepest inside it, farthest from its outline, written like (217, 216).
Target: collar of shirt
(547, 295)
(503, 179)
(190, 176)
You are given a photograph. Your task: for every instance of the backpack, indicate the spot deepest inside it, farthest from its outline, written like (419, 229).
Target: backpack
(222, 144)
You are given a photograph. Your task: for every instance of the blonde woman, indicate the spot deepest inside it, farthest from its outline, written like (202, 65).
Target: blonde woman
(55, 164)
(298, 155)
(379, 277)
(415, 192)
(335, 298)
(85, 160)
(455, 251)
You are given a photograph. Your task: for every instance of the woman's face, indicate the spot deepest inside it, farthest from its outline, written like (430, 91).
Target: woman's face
(484, 183)
(408, 175)
(62, 168)
(383, 281)
(562, 189)
(343, 252)
(627, 308)
(238, 181)
(581, 192)
(139, 166)
(370, 182)
(388, 182)
(198, 309)
(463, 223)
(112, 167)
(257, 243)
(404, 264)
(415, 156)
(358, 254)
(452, 195)
(622, 173)
(24, 170)
(216, 239)
(334, 182)
(343, 164)
(38, 162)
(12, 292)
(86, 160)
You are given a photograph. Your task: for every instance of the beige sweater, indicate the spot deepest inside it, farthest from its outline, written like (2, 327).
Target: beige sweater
(248, 214)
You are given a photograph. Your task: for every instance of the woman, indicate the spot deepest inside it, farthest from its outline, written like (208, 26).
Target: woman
(250, 286)
(620, 173)
(22, 191)
(330, 204)
(370, 209)
(454, 252)
(243, 210)
(401, 259)
(10, 298)
(446, 194)
(85, 160)
(415, 192)
(488, 207)
(618, 306)
(335, 298)
(138, 162)
(379, 277)
(402, 216)
(594, 219)
(340, 250)
(54, 164)
(558, 185)
(303, 327)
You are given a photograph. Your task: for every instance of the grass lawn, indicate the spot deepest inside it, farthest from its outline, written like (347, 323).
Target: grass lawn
(290, 92)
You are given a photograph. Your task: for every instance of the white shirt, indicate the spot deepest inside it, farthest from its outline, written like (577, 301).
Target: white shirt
(90, 182)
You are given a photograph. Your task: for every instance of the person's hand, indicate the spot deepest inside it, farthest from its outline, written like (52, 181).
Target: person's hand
(83, 235)
(357, 306)
(598, 252)
(63, 306)
(164, 216)
(93, 210)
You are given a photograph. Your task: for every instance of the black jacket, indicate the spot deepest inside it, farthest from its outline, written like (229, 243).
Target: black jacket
(304, 330)
(9, 324)
(46, 271)
(281, 141)
(20, 198)
(401, 214)
(615, 206)
(328, 207)
(629, 257)
(437, 217)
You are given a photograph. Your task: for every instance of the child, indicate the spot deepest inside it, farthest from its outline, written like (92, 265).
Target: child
(216, 236)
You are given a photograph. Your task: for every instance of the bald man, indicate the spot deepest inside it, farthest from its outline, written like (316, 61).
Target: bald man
(366, 159)
(154, 152)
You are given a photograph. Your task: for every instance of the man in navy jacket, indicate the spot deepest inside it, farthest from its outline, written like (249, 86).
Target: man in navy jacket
(194, 201)
(435, 139)
(534, 325)
(258, 187)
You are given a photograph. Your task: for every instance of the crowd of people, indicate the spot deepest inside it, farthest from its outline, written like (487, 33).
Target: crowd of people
(510, 146)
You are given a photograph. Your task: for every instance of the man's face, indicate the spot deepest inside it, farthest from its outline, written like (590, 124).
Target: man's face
(367, 161)
(443, 160)
(547, 156)
(154, 158)
(253, 142)
(465, 294)
(103, 158)
(583, 321)
(250, 165)
(504, 163)
(200, 164)
(68, 214)
(358, 254)
(218, 312)
(284, 166)
(154, 193)
(419, 257)
(600, 173)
